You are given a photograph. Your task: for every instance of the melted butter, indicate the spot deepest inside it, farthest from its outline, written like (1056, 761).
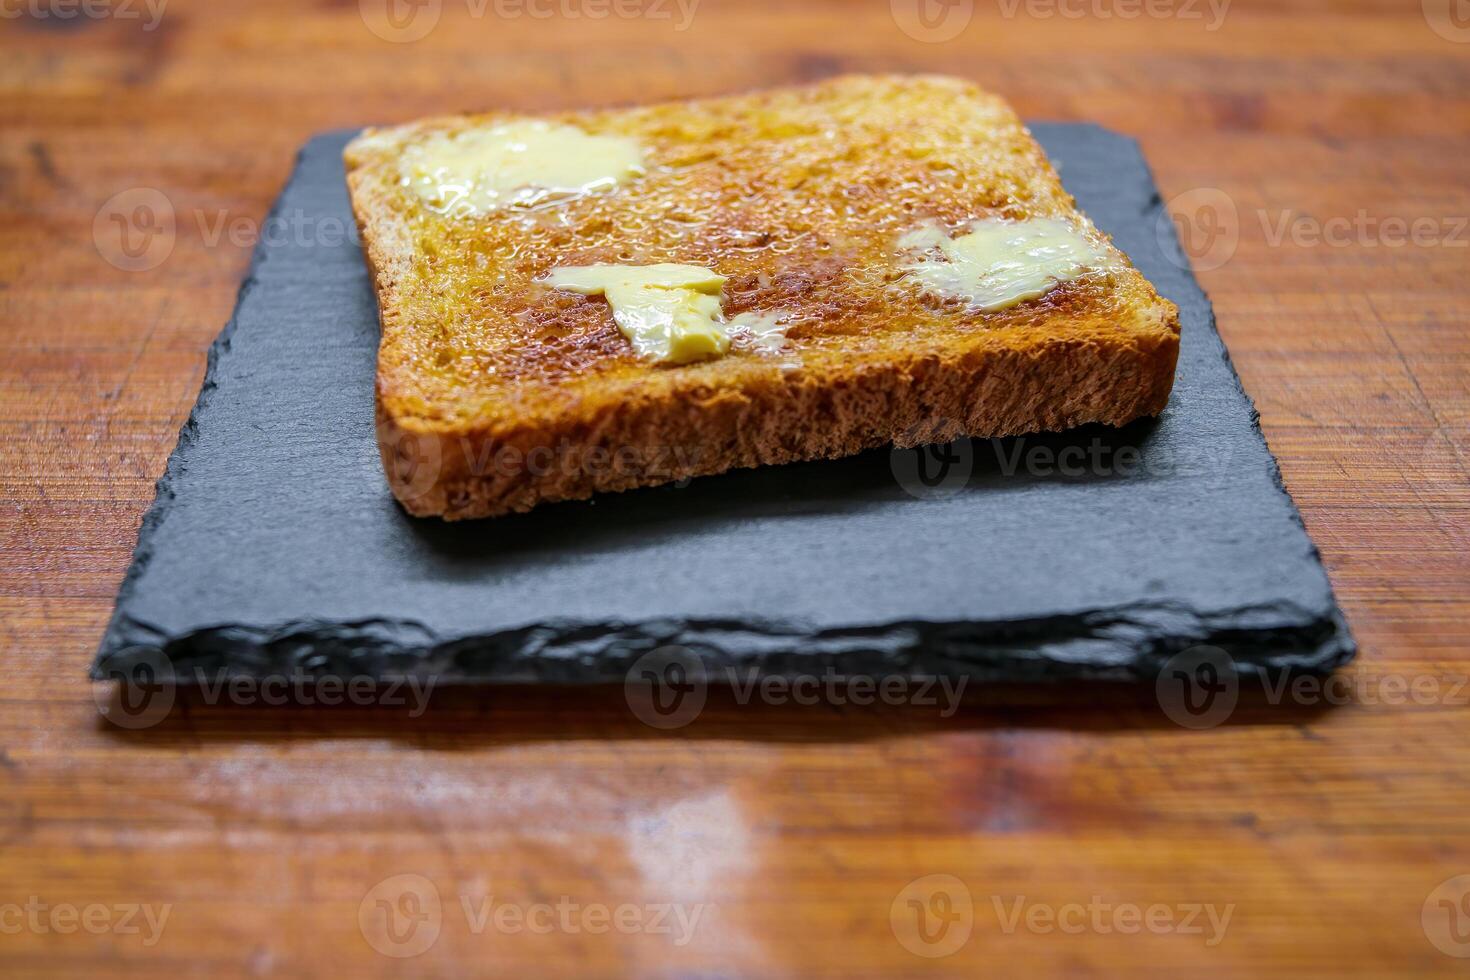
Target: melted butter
(524, 164)
(998, 264)
(762, 331)
(671, 313)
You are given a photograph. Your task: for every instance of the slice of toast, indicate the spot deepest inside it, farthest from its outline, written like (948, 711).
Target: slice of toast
(497, 390)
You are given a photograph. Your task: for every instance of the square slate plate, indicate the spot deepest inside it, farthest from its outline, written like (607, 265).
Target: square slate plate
(274, 545)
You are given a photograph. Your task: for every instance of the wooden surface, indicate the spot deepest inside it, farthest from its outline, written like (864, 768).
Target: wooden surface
(265, 829)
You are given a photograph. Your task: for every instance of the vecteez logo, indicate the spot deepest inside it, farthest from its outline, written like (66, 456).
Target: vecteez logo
(929, 470)
(149, 12)
(1207, 224)
(933, 916)
(37, 916)
(413, 461)
(401, 21)
(1446, 917)
(143, 692)
(1450, 19)
(135, 230)
(144, 686)
(1198, 688)
(666, 688)
(932, 21)
(401, 916)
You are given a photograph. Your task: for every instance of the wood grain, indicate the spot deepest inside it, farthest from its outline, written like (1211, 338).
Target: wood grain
(1326, 826)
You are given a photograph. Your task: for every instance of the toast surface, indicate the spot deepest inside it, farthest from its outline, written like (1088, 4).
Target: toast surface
(496, 392)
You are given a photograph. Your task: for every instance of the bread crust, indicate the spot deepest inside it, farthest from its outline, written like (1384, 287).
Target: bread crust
(1072, 358)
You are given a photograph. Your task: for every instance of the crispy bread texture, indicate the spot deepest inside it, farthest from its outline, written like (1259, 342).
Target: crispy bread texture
(496, 393)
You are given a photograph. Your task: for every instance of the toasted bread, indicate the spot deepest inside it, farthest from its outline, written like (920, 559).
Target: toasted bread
(496, 392)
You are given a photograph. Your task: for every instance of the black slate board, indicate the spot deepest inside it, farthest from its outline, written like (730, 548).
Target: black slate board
(275, 547)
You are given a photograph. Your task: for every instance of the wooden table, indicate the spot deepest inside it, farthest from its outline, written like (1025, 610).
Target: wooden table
(794, 833)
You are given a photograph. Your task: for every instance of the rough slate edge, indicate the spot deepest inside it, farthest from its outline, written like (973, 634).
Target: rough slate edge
(1084, 646)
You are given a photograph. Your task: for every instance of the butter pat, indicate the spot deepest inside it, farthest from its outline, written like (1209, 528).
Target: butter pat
(670, 313)
(527, 163)
(998, 264)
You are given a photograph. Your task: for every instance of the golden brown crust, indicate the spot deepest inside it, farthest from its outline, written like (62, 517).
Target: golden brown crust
(495, 394)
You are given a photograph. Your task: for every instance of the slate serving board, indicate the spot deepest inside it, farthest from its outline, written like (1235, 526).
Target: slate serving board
(274, 545)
